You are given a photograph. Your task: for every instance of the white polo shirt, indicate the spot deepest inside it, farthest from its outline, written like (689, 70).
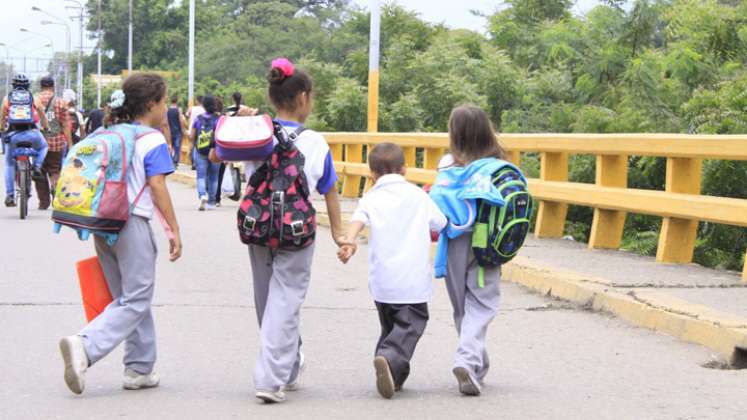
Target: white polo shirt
(400, 216)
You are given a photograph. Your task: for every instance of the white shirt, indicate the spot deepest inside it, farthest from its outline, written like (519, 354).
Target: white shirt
(401, 217)
(194, 112)
(151, 157)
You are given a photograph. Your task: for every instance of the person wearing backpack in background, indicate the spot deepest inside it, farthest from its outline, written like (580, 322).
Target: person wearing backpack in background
(77, 128)
(129, 264)
(177, 127)
(281, 277)
(59, 138)
(203, 137)
(194, 111)
(230, 111)
(465, 183)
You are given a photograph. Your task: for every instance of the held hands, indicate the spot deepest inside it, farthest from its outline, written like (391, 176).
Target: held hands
(347, 249)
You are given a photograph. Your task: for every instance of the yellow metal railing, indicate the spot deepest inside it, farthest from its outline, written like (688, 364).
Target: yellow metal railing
(681, 206)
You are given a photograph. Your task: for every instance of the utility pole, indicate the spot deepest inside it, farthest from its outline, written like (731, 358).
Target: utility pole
(373, 67)
(129, 43)
(98, 51)
(191, 82)
(80, 63)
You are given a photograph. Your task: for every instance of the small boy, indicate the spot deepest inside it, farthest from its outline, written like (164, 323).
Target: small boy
(401, 217)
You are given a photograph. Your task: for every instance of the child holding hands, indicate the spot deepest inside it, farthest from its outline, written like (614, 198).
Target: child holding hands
(400, 216)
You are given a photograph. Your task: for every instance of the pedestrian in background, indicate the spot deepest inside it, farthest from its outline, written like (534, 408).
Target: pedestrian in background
(177, 127)
(59, 138)
(203, 137)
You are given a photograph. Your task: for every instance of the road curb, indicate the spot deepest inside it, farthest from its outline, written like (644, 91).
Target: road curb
(721, 332)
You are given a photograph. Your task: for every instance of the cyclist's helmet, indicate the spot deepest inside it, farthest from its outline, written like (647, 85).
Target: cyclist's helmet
(21, 81)
(47, 82)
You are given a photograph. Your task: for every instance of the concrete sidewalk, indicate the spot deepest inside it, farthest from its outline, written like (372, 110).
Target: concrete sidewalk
(690, 302)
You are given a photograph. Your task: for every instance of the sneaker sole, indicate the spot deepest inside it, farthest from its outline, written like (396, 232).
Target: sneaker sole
(466, 384)
(269, 399)
(136, 387)
(71, 378)
(384, 380)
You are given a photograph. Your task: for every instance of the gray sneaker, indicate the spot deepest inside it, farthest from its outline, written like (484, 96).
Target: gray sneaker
(133, 380)
(467, 384)
(384, 379)
(76, 363)
(271, 397)
(203, 202)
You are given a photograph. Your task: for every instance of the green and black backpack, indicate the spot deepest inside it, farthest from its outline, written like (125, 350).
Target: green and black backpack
(500, 231)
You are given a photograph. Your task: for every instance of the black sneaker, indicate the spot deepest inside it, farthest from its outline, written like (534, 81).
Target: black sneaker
(36, 174)
(10, 202)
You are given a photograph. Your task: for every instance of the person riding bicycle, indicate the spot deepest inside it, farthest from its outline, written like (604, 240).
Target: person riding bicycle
(20, 112)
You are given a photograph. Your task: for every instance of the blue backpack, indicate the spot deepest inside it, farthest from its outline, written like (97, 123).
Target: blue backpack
(91, 195)
(20, 107)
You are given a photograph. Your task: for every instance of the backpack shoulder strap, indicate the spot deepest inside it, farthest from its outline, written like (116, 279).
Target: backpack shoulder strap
(51, 101)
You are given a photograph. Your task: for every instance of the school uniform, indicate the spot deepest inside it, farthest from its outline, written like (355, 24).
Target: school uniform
(400, 216)
(281, 278)
(474, 307)
(130, 268)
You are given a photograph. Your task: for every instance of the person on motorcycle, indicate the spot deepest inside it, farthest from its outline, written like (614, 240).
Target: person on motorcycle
(20, 112)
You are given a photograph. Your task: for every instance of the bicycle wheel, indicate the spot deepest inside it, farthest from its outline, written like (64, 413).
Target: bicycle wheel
(23, 193)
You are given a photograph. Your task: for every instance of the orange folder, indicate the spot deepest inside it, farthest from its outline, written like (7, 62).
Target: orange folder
(93, 287)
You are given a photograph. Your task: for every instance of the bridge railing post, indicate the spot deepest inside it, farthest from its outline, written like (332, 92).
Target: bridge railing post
(677, 236)
(514, 156)
(551, 215)
(431, 157)
(607, 225)
(351, 186)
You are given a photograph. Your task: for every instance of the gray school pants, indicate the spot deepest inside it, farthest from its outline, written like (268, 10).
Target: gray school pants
(130, 269)
(474, 307)
(402, 325)
(281, 279)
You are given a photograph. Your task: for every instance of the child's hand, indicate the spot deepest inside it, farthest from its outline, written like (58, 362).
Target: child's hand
(346, 252)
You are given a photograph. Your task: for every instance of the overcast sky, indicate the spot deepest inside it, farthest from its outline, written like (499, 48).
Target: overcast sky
(17, 14)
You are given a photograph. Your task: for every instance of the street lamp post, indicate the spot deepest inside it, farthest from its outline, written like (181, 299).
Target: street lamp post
(7, 68)
(129, 42)
(98, 51)
(61, 22)
(373, 67)
(191, 88)
(81, 9)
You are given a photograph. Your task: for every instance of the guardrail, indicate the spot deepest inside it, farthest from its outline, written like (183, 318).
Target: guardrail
(681, 206)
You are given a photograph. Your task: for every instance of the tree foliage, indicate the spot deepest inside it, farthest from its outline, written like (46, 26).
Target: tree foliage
(640, 66)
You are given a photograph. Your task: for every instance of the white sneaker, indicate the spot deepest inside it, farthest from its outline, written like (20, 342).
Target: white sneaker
(76, 363)
(467, 384)
(203, 202)
(301, 368)
(384, 379)
(134, 380)
(211, 206)
(271, 397)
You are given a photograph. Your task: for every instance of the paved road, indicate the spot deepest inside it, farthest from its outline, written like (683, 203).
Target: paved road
(551, 361)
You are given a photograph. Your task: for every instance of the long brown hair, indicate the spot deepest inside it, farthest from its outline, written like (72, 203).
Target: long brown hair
(472, 136)
(140, 89)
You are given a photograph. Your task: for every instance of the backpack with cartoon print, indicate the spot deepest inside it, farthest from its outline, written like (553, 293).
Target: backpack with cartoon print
(276, 211)
(91, 194)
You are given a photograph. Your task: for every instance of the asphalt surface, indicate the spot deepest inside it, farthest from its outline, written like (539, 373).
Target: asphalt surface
(550, 360)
